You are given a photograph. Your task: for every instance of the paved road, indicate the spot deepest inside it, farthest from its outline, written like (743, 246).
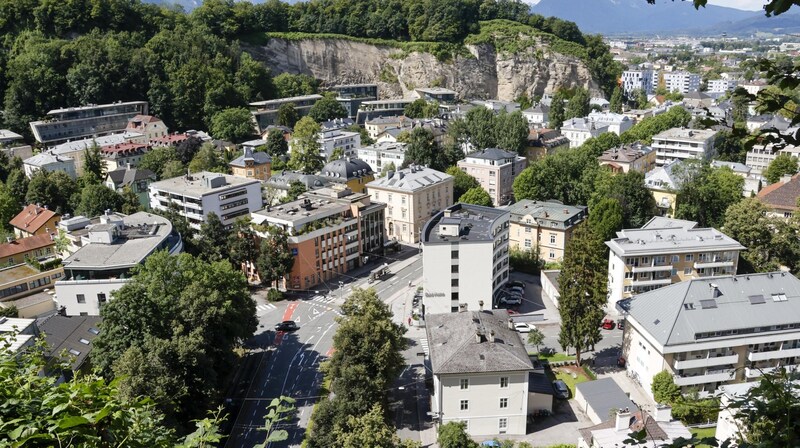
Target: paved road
(288, 363)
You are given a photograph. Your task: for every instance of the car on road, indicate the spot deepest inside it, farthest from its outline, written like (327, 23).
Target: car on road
(287, 325)
(607, 324)
(621, 324)
(561, 389)
(510, 300)
(524, 327)
(515, 289)
(517, 284)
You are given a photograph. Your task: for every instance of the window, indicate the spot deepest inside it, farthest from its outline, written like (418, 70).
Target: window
(676, 258)
(454, 282)
(464, 383)
(628, 275)
(503, 382)
(527, 230)
(465, 405)
(689, 257)
(502, 425)
(454, 269)
(81, 298)
(453, 254)
(527, 243)
(503, 403)
(101, 297)
(552, 255)
(552, 238)
(687, 271)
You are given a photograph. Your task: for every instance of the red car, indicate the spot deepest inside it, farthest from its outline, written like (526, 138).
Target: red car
(608, 324)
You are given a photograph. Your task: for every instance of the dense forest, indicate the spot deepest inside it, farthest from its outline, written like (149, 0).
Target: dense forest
(57, 53)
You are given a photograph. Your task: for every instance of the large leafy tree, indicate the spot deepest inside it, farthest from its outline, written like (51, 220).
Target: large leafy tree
(212, 240)
(511, 132)
(305, 155)
(187, 149)
(157, 158)
(454, 435)
(53, 189)
(207, 159)
(477, 196)
(9, 206)
(616, 101)
(558, 111)
(770, 242)
(638, 205)
(480, 128)
(578, 105)
(461, 181)
(606, 218)
(643, 131)
(370, 430)
(170, 332)
(583, 291)
(567, 176)
(288, 84)
(275, 260)
(782, 165)
(232, 124)
(95, 199)
(705, 192)
(93, 165)
(243, 243)
(287, 115)
(423, 150)
(326, 109)
(276, 144)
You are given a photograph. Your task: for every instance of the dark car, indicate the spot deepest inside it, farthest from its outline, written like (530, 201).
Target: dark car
(561, 389)
(287, 325)
(621, 324)
(517, 283)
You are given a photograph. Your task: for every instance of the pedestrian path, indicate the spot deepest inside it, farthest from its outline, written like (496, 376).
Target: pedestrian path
(323, 299)
(264, 309)
(423, 342)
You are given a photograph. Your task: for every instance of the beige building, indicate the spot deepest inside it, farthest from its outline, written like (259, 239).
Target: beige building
(378, 125)
(636, 157)
(148, 125)
(252, 165)
(666, 251)
(481, 372)
(547, 225)
(709, 333)
(495, 170)
(412, 195)
(781, 197)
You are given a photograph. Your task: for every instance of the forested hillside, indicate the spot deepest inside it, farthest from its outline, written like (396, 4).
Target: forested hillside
(56, 53)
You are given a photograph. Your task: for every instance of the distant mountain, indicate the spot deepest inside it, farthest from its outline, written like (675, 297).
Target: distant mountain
(636, 16)
(782, 24)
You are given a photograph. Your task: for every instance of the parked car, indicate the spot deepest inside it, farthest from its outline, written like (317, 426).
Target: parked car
(607, 324)
(516, 289)
(510, 300)
(512, 312)
(561, 389)
(621, 324)
(524, 327)
(287, 325)
(517, 284)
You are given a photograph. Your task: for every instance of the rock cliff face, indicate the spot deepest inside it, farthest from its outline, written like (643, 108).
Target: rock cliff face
(485, 74)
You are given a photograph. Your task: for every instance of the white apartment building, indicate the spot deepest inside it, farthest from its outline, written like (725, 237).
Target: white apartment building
(538, 115)
(481, 372)
(412, 195)
(666, 251)
(633, 80)
(196, 195)
(759, 158)
(617, 123)
(680, 144)
(578, 130)
(713, 332)
(681, 82)
(108, 252)
(495, 170)
(464, 258)
(721, 85)
(382, 154)
(49, 162)
(333, 139)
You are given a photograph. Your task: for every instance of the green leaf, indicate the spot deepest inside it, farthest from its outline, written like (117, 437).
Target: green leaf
(278, 436)
(72, 421)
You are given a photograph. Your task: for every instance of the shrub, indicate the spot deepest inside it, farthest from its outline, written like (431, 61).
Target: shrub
(274, 295)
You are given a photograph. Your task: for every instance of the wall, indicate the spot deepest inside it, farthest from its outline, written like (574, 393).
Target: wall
(67, 294)
(483, 395)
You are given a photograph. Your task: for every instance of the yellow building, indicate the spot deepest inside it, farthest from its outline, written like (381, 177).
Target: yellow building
(547, 225)
(252, 165)
(34, 220)
(636, 157)
(663, 185)
(352, 172)
(32, 247)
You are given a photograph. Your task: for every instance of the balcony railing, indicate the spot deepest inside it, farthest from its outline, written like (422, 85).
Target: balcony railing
(652, 282)
(713, 264)
(653, 268)
(706, 361)
(773, 354)
(712, 376)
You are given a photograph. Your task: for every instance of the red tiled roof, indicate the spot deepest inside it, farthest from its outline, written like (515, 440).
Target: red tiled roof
(145, 119)
(32, 218)
(782, 194)
(28, 244)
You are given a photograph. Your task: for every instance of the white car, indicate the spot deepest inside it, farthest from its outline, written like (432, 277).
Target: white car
(523, 327)
(511, 300)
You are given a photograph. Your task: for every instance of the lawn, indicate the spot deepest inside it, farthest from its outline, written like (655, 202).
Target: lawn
(704, 432)
(566, 374)
(555, 357)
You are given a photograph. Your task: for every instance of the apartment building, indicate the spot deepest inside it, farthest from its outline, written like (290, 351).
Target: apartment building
(265, 113)
(578, 130)
(123, 155)
(196, 195)
(721, 85)
(350, 96)
(50, 163)
(546, 225)
(252, 165)
(481, 372)
(332, 139)
(714, 332)
(617, 123)
(109, 251)
(666, 251)
(682, 143)
(137, 180)
(353, 173)
(331, 231)
(377, 126)
(538, 115)
(438, 94)
(635, 157)
(369, 110)
(759, 158)
(464, 258)
(495, 170)
(381, 155)
(412, 195)
(681, 82)
(634, 80)
(8, 137)
(147, 125)
(93, 120)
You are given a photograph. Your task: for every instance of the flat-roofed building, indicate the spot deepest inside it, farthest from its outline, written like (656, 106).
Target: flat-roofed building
(330, 232)
(195, 196)
(464, 258)
(109, 251)
(495, 170)
(350, 96)
(682, 143)
(380, 155)
(94, 120)
(681, 82)
(26, 332)
(666, 251)
(713, 332)
(22, 280)
(265, 113)
(412, 195)
(633, 80)
(546, 225)
(438, 94)
(381, 108)
(9, 137)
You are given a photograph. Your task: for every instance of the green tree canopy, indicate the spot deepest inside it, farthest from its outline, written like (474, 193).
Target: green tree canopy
(705, 192)
(606, 218)
(615, 105)
(454, 435)
(480, 128)
(782, 165)
(232, 124)
(277, 146)
(52, 189)
(288, 85)
(664, 388)
(326, 109)
(9, 207)
(477, 196)
(287, 115)
(207, 159)
(578, 105)
(511, 132)
(96, 199)
(461, 181)
(156, 159)
(305, 148)
(275, 260)
(558, 113)
(93, 164)
(638, 205)
(212, 240)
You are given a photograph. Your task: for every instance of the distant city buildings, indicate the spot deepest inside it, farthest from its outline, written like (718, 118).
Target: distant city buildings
(635, 80)
(681, 82)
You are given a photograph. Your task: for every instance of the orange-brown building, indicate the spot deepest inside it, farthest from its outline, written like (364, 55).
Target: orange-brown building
(252, 165)
(33, 247)
(331, 231)
(34, 220)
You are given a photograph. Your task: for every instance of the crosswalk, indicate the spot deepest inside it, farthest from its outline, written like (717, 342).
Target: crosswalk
(423, 342)
(264, 309)
(323, 299)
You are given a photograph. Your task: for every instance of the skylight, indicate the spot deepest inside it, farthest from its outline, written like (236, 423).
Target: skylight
(708, 304)
(779, 297)
(757, 299)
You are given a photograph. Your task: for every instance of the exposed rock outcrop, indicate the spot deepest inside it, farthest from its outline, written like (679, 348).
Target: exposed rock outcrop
(484, 74)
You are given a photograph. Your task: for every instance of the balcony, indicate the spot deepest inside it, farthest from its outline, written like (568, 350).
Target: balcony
(753, 372)
(652, 282)
(713, 264)
(653, 268)
(773, 354)
(713, 376)
(706, 361)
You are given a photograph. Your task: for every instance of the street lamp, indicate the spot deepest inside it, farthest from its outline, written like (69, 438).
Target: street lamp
(341, 288)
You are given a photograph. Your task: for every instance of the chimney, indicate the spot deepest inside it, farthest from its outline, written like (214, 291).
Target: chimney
(480, 305)
(511, 324)
(663, 413)
(623, 421)
(478, 337)
(491, 335)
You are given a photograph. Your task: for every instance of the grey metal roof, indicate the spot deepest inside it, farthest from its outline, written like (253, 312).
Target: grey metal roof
(475, 223)
(455, 348)
(675, 315)
(492, 154)
(123, 176)
(546, 212)
(346, 168)
(258, 157)
(70, 335)
(411, 179)
(666, 236)
(604, 394)
(538, 383)
(735, 166)
(284, 180)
